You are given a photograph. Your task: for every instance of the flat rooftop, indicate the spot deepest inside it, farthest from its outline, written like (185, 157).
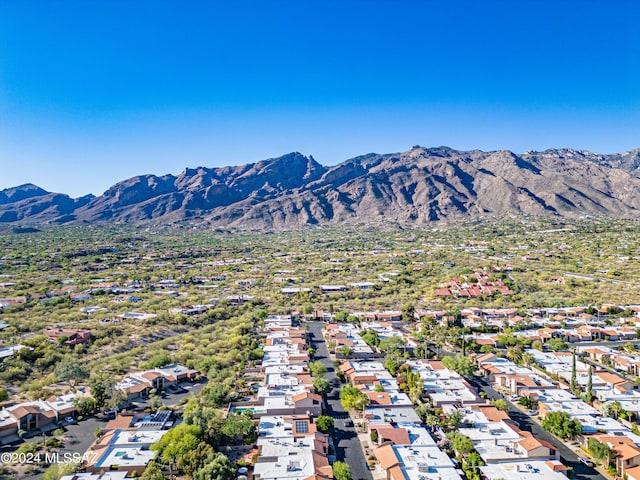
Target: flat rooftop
(125, 456)
(137, 438)
(425, 461)
(519, 471)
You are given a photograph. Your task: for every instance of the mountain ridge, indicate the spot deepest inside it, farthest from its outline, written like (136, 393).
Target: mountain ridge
(419, 186)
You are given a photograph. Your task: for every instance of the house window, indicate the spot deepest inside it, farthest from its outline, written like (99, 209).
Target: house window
(302, 426)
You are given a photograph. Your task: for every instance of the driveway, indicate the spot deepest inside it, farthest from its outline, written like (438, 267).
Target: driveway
(172, 400)
(80, 436)
(345, 439)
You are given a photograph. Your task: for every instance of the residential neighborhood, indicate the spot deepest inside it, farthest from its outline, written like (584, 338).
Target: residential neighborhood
(271, 367)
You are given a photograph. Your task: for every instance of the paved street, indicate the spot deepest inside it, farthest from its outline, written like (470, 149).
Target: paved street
(345, 438)
(568, 456)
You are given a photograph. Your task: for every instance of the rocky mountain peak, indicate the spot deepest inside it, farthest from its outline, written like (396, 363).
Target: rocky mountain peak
(415, 187)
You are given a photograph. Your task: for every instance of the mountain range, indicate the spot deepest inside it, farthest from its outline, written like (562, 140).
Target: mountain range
(416, 187)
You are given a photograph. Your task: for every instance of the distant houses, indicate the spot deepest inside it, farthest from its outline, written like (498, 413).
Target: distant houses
(139, 385)
(68, 336)
(477, 284)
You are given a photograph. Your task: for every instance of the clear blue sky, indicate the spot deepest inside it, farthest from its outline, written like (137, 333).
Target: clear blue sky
(93, 92)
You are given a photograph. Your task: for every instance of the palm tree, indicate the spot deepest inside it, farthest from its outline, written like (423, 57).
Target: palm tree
(616, 409)
(455, 418)
(515, 354)
(431, 421)
(611, 409)
(528, 359)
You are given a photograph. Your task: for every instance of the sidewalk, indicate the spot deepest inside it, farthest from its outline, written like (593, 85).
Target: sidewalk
(367, 450)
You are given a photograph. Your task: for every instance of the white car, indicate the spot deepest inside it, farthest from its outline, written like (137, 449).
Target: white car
(585, 462)
(70, 420)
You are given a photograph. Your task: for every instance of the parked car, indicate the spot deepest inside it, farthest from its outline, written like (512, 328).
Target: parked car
(531, 413)
(585, 462)
(70, 420)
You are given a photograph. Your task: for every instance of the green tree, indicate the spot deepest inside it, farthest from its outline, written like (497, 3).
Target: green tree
(561, 425)
(431, 421)
(557, 344)
(487, 349)
(528, 359)
(85, 406)
(515, 353)
(216, 467)
(611, 409)
(194, 459)
(370, 337)
(117, 398)
(157, 361)
(344, 351)
(258, 354)
(474, 459)
(421, 351)
(324, 423)
(206, 417)
(393, 366)
(455, 418)
(508, 339)
(341, 316)
(58, 470)
(408, 312)
(177, 442)
(216, 394)
(573, 384)
(71, 372)
(102, 386)
(460, 443)
(239, 429)
(352, 398)
(341, 471)
(527, 402)
(461, 364)
(321, 385)
(501, 404)
(537, 345)
(600, 451)
(317, 369)
(393, 344)
(4, 395)
(152, 472)
(589, 392)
